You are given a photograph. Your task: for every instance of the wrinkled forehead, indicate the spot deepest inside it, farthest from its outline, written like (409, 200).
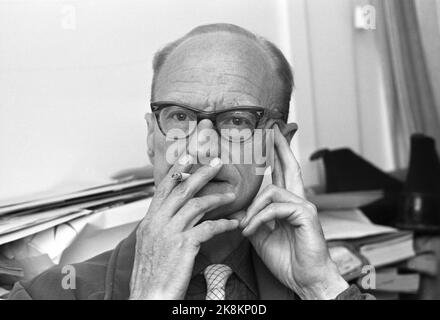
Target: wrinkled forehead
(216, 71)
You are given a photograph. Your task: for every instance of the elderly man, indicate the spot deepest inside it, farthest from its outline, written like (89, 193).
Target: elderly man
(209, 233)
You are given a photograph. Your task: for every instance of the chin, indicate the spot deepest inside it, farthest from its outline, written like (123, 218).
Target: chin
(226, 211)
(222, 187)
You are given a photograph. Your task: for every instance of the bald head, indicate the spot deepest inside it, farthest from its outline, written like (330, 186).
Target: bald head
(214, 61)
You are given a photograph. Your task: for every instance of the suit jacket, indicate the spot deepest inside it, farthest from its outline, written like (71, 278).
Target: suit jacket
(107, 276)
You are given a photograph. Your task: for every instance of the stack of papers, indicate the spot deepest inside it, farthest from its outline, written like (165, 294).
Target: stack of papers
(20, 220)
(349, 224)
(355, 241)
(34, 234)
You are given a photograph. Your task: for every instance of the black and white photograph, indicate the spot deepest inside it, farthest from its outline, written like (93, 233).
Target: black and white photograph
(223, 150)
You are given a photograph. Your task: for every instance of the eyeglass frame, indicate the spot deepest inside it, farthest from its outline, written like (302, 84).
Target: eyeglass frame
(261, 113)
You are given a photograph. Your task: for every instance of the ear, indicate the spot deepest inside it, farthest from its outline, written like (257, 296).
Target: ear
(151, 123)
(288, 130)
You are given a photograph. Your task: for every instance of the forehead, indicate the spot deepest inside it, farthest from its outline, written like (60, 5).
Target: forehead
(217, 70)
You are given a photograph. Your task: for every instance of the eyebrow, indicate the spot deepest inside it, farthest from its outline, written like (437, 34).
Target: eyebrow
(154, 104)
(180, 104)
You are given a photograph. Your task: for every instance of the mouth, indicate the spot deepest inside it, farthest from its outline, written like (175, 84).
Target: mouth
(216, 185)
(223, 181)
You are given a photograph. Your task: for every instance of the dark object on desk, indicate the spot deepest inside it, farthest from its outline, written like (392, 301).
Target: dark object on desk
(347, 171)
(419, 207)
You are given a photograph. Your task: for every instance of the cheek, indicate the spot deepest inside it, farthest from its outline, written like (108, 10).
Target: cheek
(247, 172)
(160, 163)
(259, 150)
(264, 149)
(249, 183)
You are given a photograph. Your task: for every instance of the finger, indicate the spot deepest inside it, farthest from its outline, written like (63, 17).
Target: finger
(208, 229)
(270, 194)
(188, 188)
(277, 172)
(289, 164)
(258, 238)
(183, 164)
(240, 215)
(196, 208)
(295, 214)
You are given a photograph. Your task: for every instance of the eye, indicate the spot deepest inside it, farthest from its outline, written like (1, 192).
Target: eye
(179, 116)
(237, 121)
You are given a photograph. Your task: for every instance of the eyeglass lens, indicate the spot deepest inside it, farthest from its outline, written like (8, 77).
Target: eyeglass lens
(234, 125)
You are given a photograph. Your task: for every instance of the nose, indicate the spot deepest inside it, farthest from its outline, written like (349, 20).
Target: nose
(205, 143)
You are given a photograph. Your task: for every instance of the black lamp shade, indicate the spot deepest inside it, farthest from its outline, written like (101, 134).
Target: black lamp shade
(419, 207)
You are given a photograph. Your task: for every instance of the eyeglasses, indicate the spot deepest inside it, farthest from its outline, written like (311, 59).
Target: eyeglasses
(178, 121)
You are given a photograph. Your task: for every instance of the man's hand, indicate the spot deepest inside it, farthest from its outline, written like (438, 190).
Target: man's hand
(168, 239)
(293, 248)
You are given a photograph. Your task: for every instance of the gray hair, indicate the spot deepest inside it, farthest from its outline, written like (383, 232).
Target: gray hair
(279, 62)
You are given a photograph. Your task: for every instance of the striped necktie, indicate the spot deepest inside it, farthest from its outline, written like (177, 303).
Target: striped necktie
(216, 276)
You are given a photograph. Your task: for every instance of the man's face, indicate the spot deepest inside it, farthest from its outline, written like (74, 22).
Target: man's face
(212, 72)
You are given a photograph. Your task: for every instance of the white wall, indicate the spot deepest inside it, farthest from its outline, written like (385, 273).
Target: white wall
(428, 12)
(73, 91)
(72, 101)
(339, 99)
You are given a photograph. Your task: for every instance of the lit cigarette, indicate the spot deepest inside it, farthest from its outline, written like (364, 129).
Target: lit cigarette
(180, 176)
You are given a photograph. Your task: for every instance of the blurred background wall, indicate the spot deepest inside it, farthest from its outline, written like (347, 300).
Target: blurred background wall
(75, 77)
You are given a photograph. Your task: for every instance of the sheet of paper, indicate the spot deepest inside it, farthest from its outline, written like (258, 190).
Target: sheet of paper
(15, 222)
(349, 224)
(113, 187)
(12, 236)
(3, 293)
(64, 187)
(103, 231)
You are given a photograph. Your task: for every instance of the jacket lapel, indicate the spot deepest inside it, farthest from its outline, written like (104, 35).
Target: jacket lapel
(119, 269)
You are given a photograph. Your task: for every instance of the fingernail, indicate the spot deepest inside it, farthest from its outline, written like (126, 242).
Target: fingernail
(186, 159)
(216, 162)
(230, 195)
